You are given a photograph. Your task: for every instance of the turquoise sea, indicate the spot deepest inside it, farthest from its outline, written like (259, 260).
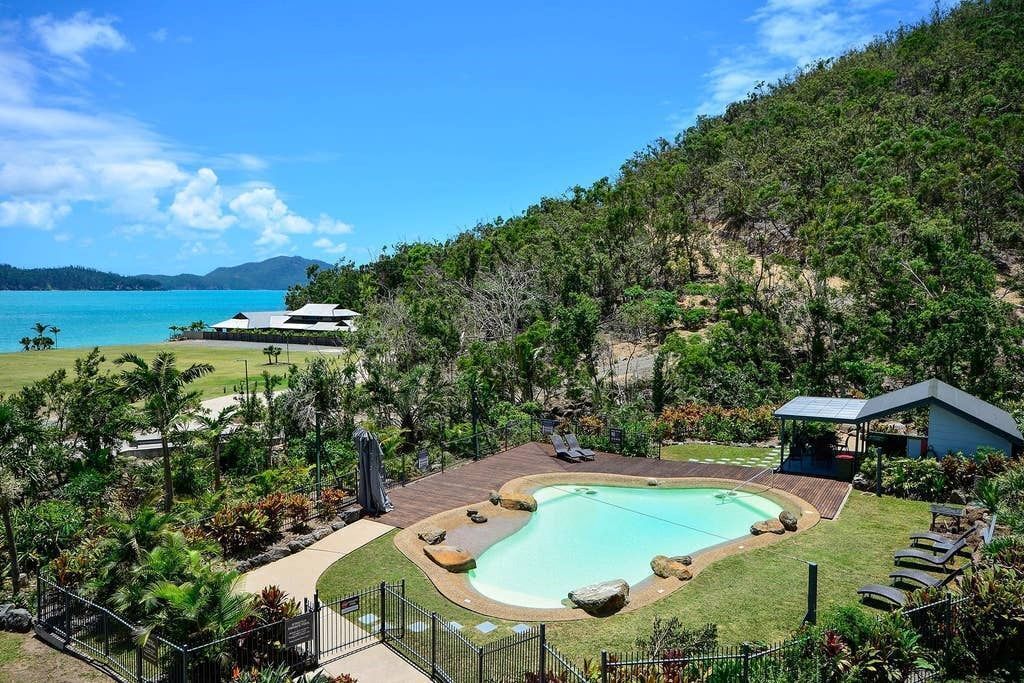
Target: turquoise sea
(103, 318)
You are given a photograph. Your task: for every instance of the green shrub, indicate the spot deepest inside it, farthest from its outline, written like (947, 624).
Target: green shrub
(45, 529)
(86, 488)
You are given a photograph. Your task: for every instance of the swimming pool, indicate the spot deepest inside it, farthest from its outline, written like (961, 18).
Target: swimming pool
(581, 535)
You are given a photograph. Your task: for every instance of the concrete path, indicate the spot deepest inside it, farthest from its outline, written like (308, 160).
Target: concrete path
(297, 574)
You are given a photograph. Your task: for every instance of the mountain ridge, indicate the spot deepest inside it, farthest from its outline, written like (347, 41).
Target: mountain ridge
(278, 272)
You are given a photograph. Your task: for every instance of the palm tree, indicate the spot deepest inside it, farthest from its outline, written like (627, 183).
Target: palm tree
(161, 387)
(56, 331)
(213, 427)
(15, 460)
(40, 329)
(314, 397)
(26, 342)
(124, 545)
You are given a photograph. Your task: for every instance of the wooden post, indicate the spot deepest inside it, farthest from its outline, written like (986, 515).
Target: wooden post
(542, 674)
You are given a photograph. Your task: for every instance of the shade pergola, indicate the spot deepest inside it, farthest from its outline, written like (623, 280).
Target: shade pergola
(824, 409)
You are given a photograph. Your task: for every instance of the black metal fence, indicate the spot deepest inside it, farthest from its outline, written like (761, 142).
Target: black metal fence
(320, 633)
(799, 659)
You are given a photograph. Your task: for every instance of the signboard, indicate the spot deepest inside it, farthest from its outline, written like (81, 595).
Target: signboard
(349, 605)
(615, 436)
(298, 630)
(548, 426)
(150, 654)
(423, 460)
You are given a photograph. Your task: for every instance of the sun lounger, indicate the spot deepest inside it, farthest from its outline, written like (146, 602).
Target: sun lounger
(940, 559)
(896, 595)
(575, 447)
(936, 539)
(924, 578)
(562, 451)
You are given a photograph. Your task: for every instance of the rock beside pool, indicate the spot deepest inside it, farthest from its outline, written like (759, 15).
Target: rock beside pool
(479, 519)
(494, 497)
(768, 526)
(682, 559)
(518, 501)
(653, 482)
(432, 535)
(450, 557)
(601, 599)
(788, 520)
(666, 568)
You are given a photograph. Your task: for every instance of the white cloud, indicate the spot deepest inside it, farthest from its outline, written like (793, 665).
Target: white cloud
(69, 38)
(14, 213)
(261, 208)
(198, 204)
(326, 245)
(159, 35)
(789, 34)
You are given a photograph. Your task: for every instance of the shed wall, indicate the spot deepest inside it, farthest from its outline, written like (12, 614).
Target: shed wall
(949, 433)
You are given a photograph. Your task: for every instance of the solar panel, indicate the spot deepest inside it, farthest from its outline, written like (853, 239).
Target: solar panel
(822, 408)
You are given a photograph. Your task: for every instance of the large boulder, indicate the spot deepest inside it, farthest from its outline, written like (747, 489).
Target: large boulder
(601, 599)
(13, 618)
(768, 526)
(450, 557)
(666, 567)
(519, 501)
(432, 535)
(788, 519)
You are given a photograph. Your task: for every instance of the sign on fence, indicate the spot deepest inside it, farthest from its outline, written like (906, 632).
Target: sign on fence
(615, 436)
(349, 605)
(150, 654)
(298, 630)
(547, 426)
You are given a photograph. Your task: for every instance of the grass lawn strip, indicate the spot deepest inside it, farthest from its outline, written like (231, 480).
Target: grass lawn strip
(759, 595)
(19, 369)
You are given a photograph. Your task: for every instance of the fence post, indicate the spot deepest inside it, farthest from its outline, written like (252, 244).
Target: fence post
(480, 664)
(401, 610)
(383, 611)
(184, 666)
(106, 635)
(433, 645)
(746, 662)
(604, 666)
(138, 663)
(405, 476)
(878, 472)
(316, 624)
(812, 594)
(542, 674)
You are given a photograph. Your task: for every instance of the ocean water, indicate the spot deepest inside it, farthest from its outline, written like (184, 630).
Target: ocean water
(577, 538)
(105, 318)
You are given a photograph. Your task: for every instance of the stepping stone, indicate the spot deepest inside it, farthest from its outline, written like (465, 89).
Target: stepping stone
(454, 625)
(485, 627)
(520, 628)
(418, 627)
(369, 618)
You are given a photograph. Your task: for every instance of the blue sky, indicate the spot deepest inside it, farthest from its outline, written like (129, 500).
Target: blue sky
(176, 137)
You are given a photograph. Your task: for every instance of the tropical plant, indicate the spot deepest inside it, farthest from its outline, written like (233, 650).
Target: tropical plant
(16, 464)
(162, 388)
(212, 428)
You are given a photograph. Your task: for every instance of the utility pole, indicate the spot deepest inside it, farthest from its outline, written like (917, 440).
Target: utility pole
(246, 361)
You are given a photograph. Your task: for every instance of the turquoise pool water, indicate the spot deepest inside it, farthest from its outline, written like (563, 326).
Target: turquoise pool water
(586, 534)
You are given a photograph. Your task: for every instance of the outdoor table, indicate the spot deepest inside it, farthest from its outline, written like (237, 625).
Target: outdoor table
(955, 513)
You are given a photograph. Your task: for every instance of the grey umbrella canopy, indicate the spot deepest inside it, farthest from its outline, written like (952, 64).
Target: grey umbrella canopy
(371, 494)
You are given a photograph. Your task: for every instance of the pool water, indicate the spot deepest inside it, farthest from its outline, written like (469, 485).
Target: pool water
(581, 535)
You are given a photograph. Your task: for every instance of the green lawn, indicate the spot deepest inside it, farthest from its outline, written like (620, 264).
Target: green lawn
(751, 456)
(759, 595)
(20, 368)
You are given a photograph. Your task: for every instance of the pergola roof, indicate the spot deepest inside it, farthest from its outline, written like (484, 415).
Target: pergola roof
(932, 391)
(821, 409)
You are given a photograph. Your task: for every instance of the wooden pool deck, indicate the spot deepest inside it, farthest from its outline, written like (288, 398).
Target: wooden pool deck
(471, 482)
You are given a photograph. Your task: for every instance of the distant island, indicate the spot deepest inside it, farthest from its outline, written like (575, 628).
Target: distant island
(279, 272)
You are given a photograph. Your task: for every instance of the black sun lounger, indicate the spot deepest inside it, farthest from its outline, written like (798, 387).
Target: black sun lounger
(940, 559)
(575, 447)
(895, 595)
(562, 451)
(923, 578)
(935, 539)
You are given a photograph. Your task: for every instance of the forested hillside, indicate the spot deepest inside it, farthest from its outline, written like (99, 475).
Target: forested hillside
(858, 225)
(69, 277)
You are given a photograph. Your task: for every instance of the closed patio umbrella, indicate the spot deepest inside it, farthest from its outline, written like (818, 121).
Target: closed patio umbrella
(371, 493)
